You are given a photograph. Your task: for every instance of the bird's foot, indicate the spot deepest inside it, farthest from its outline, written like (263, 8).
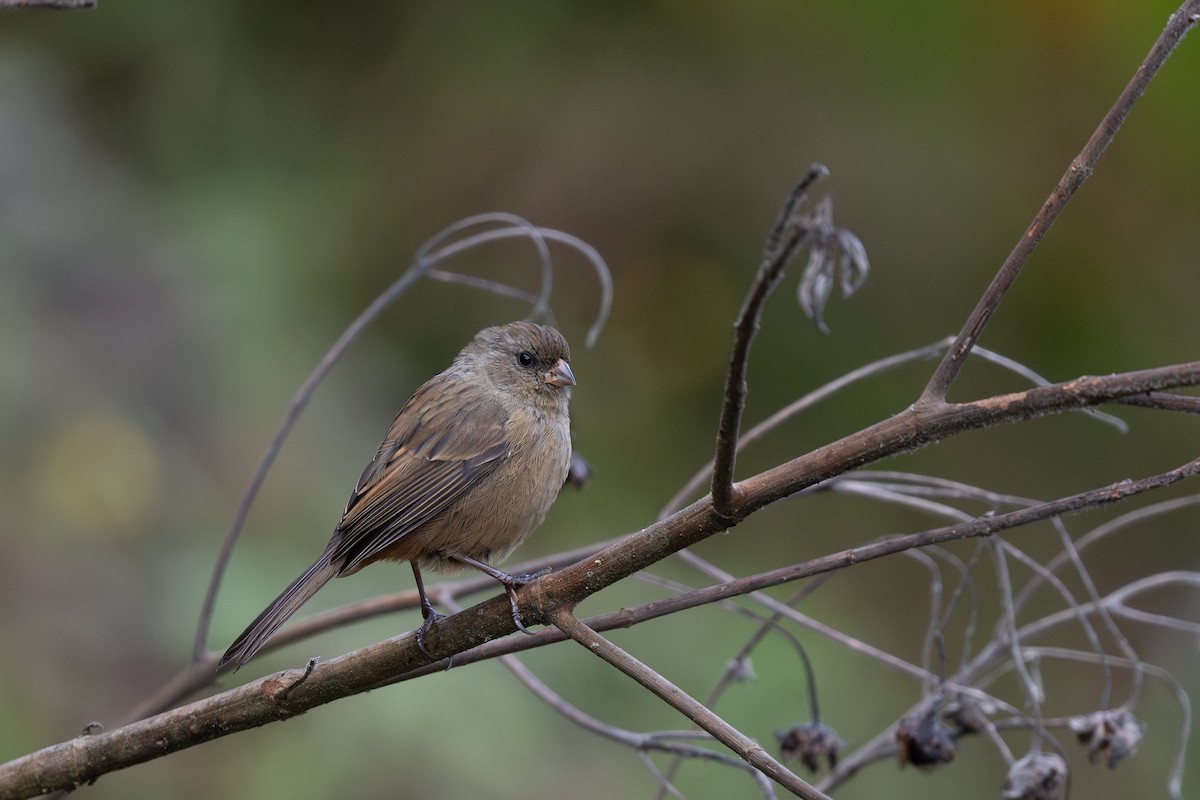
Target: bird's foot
(510, 583)
(513, 582)
(431, 617)
(526, 577)
(511, 589)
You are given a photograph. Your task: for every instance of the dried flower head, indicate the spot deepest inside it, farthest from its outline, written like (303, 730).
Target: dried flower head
(1113, 734)
(809, 743)
(579, 473)
(968, 714)
(924, 741)
(1037, 776)
(830, 251)
(741, 670)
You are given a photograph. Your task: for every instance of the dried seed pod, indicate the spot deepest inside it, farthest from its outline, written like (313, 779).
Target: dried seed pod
(924, 741)
(809, 743)
(1037, 776)
(1111, 734)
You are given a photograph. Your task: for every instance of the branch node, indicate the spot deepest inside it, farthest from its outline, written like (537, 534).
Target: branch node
(280, 693)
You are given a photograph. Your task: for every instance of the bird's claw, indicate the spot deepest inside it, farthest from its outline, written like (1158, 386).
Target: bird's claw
(431, 617)
(528, 577)
(516, 611)
(513, 582)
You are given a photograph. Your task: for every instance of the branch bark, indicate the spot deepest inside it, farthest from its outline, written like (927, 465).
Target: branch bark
(284, 695)
(551, 599)
(785, 238)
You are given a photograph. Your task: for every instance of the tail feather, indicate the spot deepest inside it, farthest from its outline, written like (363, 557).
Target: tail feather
(273, 616)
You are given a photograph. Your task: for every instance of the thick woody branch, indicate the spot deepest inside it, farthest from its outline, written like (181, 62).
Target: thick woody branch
(202, 672)
(283, 695)
(921, 425)
(729, 588)
(477, 632)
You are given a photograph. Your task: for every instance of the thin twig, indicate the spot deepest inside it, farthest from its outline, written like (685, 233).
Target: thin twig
(781, 245)
(1165, 402)
(1069, 600)
(747, 748)
(1175, 782)
(1079, 171)
(1034, 695)
(851, 643)
(735, 663)
(1103, 531)
(639, 742)
(642, 743)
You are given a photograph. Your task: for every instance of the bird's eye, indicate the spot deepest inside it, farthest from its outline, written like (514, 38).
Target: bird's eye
(525, 359)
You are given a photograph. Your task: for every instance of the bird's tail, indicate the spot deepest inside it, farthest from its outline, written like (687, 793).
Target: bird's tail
(273, 616)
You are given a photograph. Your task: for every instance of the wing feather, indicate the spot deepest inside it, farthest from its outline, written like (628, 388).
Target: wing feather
(433, 453)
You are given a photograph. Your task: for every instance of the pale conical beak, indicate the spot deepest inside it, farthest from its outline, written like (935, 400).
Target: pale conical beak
(559, 375)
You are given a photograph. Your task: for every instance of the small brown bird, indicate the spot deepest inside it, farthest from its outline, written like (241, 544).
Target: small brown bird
(468, 469)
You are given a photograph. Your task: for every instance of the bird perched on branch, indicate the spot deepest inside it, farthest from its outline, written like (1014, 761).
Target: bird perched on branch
(467, 470)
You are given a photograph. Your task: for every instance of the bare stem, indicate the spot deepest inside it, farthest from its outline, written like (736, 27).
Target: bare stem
(753, 753)
(782, 243)
(1079, 171)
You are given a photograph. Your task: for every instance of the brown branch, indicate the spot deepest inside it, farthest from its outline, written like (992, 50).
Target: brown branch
(202, 673)
(922, 424)
(785, 237)
(550, 599)
(750, 750)
(471, 633)
(980, 526)
(1079, 171)
(640, 742)
(1164, 402)
(729, 588)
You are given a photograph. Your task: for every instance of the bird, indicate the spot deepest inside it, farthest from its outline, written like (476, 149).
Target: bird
(467, 470)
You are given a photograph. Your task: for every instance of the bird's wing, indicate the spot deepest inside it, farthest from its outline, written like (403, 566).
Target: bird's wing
(445, 440)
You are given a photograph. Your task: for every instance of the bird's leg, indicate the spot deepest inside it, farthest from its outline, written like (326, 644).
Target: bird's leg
(427, 613)
(510, 583)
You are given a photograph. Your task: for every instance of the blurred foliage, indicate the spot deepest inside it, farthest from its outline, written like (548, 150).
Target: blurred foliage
(195, 198)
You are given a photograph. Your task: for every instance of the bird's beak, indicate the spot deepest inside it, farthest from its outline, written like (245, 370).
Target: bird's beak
(559, 375)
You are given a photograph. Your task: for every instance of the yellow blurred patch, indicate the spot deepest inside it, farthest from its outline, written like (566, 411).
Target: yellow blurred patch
(100, 472)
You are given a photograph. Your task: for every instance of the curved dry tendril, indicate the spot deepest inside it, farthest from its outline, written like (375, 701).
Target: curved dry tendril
(509, 226)
(451, 241)
(1175, 782)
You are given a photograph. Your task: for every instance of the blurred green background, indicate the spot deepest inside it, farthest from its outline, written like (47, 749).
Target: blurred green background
(196, 198)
